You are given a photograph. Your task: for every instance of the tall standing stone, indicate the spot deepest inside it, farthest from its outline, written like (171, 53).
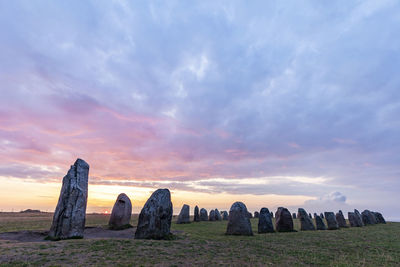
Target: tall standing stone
(69, 216)
(331, 221)
(358, 217)
(320, 223)
(283, 220)
(239, 222)
(155, 217)
(203, 214)
(368, 217)
(184, 216)
(354, 222)
(265, 222)
(256, 214)
(121, 213)
(211, 216)
(305, 221)
(196, 214)
(294, 216)
(225, 215)
(341, 220)
(217, 215)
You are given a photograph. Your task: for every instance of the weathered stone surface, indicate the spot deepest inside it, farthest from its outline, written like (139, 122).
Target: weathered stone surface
(196, 214)
(320, 223)
(354, 221)
(225, 215)
(358, 217)
(211, 216)
(121, 213)
(203, 214)
(265, 224)
(218, 215)
(331, 221)
(379, 217)
(294, 216)
(341, 220)
(283, 220)
(305, 221)
(184, 216)
(368, 217)
(239, 222)
(256, 214)
(69, 216)
(155, 217)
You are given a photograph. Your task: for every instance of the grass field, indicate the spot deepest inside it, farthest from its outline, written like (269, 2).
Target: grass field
(203, 244)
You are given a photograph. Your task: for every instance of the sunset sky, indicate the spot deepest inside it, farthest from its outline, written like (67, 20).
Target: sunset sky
(272, 103)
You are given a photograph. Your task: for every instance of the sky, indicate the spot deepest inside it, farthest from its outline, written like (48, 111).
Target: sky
(272, 103)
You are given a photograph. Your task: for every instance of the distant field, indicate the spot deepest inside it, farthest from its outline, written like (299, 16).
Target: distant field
(203, 244)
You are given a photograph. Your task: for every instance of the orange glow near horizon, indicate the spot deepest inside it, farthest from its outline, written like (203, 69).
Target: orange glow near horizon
(44, 196)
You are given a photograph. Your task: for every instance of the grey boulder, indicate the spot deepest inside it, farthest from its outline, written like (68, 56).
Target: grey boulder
(331, 221)
(121, 213)
(155, 217)
(320, 223)
(283, 220)
(184, 216)
(217, 215)
(256, 214)
(354, 222)
(379, 217)
(239, 222)
(358, 217)
(341, 220)
(211, 216)
(203, 215)
(224, 215)
(265, 222)
(196, 217)
(69, 216)
(368, 217)
(305, 221)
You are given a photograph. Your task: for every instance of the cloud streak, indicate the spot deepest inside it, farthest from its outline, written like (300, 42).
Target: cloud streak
(188, 93)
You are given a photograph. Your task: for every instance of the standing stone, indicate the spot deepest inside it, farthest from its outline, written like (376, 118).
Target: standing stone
(309, 215)
(224, 215)
(250, 215)
(358, 217)
(211, 216)
(184, 216)
(196, 214)
(265, 222)
(315, 215)
(239, 222)
(368, 217)
(341, 220)
(69, 216)
(203, 215)
(322, 216)
(379, 217)
(354, 222)
(305, 221)
(294, 216)
(256, 214)
(272, 214)
(121, 213)
(320, 223)
(155, 217)
(218, 215)
(283, 220)
(331, 220)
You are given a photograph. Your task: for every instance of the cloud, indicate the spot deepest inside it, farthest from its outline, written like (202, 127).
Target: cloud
(192, 92)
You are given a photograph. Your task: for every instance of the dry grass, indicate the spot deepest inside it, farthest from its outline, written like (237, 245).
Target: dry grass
(204, 244)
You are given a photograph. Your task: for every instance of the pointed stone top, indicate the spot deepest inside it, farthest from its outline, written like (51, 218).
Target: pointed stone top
(81, 163)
